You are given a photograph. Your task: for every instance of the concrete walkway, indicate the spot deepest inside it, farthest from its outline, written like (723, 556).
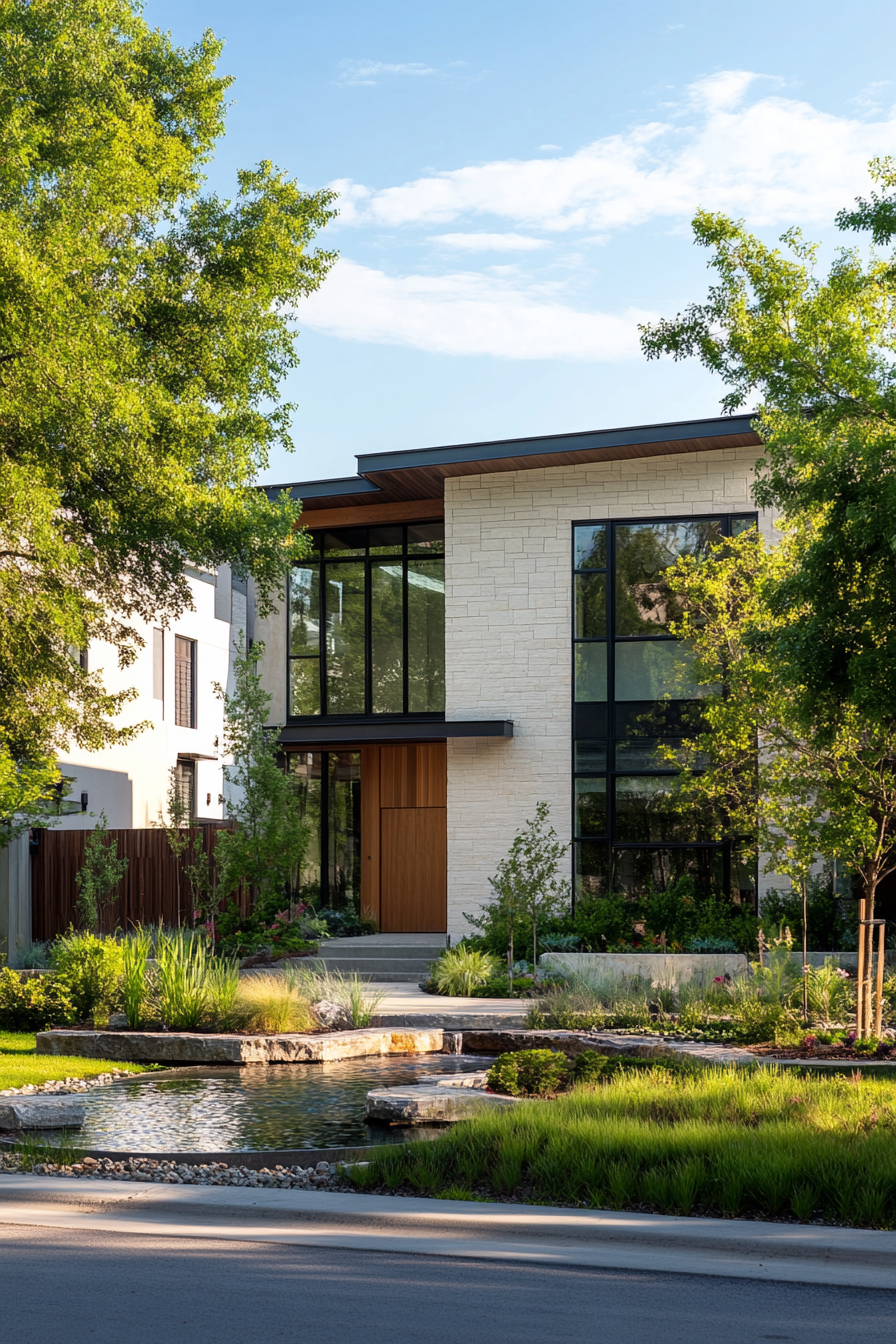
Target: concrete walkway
(457, 1228)
(401, 998)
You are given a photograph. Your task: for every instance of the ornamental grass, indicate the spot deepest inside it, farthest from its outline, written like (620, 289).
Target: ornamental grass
(735, 1142)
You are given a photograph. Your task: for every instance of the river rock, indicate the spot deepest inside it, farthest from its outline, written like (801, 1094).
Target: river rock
(41, 1113)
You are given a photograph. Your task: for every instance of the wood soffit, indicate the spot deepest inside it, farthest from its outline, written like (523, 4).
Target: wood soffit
(406, 494)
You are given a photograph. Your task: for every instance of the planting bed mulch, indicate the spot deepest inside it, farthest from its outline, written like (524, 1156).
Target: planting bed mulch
(883, 1052)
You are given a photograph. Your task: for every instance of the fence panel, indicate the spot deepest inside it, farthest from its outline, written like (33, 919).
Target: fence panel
(153, 889)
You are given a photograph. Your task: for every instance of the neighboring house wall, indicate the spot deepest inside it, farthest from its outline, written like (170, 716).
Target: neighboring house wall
(508, 636)
(130, 782)
(273, 632)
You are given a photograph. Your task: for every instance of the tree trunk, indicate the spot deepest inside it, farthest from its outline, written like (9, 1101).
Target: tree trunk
(805, 953)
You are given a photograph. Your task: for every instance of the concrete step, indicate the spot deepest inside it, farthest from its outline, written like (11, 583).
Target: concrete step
(395, 951)
(385, 966)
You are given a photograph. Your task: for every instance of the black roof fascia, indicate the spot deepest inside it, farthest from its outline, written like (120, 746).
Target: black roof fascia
(494, 449)
(374, 734)
(342, 485)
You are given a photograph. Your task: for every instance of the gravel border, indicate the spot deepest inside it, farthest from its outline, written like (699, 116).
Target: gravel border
(323, 1176)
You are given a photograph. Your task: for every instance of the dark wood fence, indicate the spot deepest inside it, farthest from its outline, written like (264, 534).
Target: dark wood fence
(153, 889)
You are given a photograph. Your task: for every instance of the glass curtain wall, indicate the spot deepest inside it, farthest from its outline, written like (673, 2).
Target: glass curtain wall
(329, 789)
(634, 693)
(367, 623)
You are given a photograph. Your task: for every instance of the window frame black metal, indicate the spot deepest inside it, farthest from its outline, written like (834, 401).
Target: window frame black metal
(367, 560)
(611, 773)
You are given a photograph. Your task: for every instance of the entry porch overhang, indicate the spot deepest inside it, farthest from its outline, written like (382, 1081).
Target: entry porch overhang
(323, 735)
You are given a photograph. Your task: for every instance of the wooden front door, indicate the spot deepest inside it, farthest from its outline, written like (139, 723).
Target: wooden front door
(404, 837)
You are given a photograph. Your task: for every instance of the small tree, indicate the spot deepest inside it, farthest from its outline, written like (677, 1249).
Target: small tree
(766, 769)
(186, 844)
(269, 844)
(100, 875)
(527, 881)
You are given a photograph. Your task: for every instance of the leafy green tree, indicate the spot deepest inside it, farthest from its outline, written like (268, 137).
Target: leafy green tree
(818, 353)
(265, 851)
(763, 770)
(145, 328)
(100, 875)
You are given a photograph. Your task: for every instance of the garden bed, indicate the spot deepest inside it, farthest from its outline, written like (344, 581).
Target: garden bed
(735, 1143)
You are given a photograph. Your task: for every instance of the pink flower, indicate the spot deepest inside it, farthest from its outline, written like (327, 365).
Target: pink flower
(718, 979)
(844, 975)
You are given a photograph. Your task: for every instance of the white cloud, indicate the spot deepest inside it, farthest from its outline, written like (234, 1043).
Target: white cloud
(774, 160)
(489, 242)
(550, 146)
(369, 72)
(466, 314)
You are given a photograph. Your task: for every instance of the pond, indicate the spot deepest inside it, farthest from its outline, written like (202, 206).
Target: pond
(255, 1107)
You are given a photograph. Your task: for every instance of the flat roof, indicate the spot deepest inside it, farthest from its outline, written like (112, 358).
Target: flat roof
(420, 473)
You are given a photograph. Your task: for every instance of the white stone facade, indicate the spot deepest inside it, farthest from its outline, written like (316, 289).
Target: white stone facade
(508, 631)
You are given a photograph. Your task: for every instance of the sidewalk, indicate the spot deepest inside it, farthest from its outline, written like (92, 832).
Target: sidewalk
(407, 1005)
(507, 1232)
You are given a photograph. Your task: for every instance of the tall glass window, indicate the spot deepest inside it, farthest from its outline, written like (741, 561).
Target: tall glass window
(329, 789)
(367, 623)
(634, 693)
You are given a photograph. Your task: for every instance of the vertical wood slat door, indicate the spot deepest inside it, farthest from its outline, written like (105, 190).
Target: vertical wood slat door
(413, 835)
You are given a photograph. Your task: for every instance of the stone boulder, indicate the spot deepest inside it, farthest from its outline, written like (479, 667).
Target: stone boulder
(41, 1113)
(333, 1016)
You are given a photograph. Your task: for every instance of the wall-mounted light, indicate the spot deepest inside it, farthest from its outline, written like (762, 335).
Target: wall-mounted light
(83, 802)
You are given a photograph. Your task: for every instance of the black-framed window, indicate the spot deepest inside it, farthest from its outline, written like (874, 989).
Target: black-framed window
(328, 785)
(634, 694)
(367, 623)
(184, 682)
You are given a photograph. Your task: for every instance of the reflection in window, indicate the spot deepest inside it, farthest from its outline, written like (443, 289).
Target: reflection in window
(426, 636)
(591, 807)
(328, 785)
(367, 622)
(655, 669)
(345, 642)
(591, 672)
(644, 551)
(635, 697)
(387, 637)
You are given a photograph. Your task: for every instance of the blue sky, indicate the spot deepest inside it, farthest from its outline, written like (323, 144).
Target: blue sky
(516, 182)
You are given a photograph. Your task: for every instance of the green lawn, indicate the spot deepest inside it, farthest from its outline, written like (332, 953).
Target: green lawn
(20, 1065)
(736, 1142)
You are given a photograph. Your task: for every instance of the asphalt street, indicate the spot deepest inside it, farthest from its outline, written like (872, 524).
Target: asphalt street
(73, 1287)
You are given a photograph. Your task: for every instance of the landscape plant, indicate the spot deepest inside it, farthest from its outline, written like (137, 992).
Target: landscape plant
(101, 872)
(147, 326)
(135, 989)
(349, 991)
(33, 1004)
(269, 1003)
(675, 1139)
(529, 1073)
(187, 845)
(180, 992)
(528, 884)
(460, 970)
(88, 970)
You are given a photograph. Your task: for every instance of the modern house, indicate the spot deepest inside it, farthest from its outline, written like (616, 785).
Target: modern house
(483, 627)
(479, 628)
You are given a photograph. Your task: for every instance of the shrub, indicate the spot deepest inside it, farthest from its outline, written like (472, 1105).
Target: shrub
(727, 945)
(460, 970)
(268, 1003)
(34, 1004)
(828, 929)
(90, 970)
(590, 1067)
(222, 984)
(559, 942)
(529, 1073)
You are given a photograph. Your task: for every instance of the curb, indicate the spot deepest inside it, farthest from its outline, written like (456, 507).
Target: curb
(457, 1228)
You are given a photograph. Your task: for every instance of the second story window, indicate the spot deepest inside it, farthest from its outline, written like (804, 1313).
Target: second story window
(367, 623)
(184, 682)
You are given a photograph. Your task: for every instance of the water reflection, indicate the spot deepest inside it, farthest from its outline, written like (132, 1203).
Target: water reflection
(255, 1106)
